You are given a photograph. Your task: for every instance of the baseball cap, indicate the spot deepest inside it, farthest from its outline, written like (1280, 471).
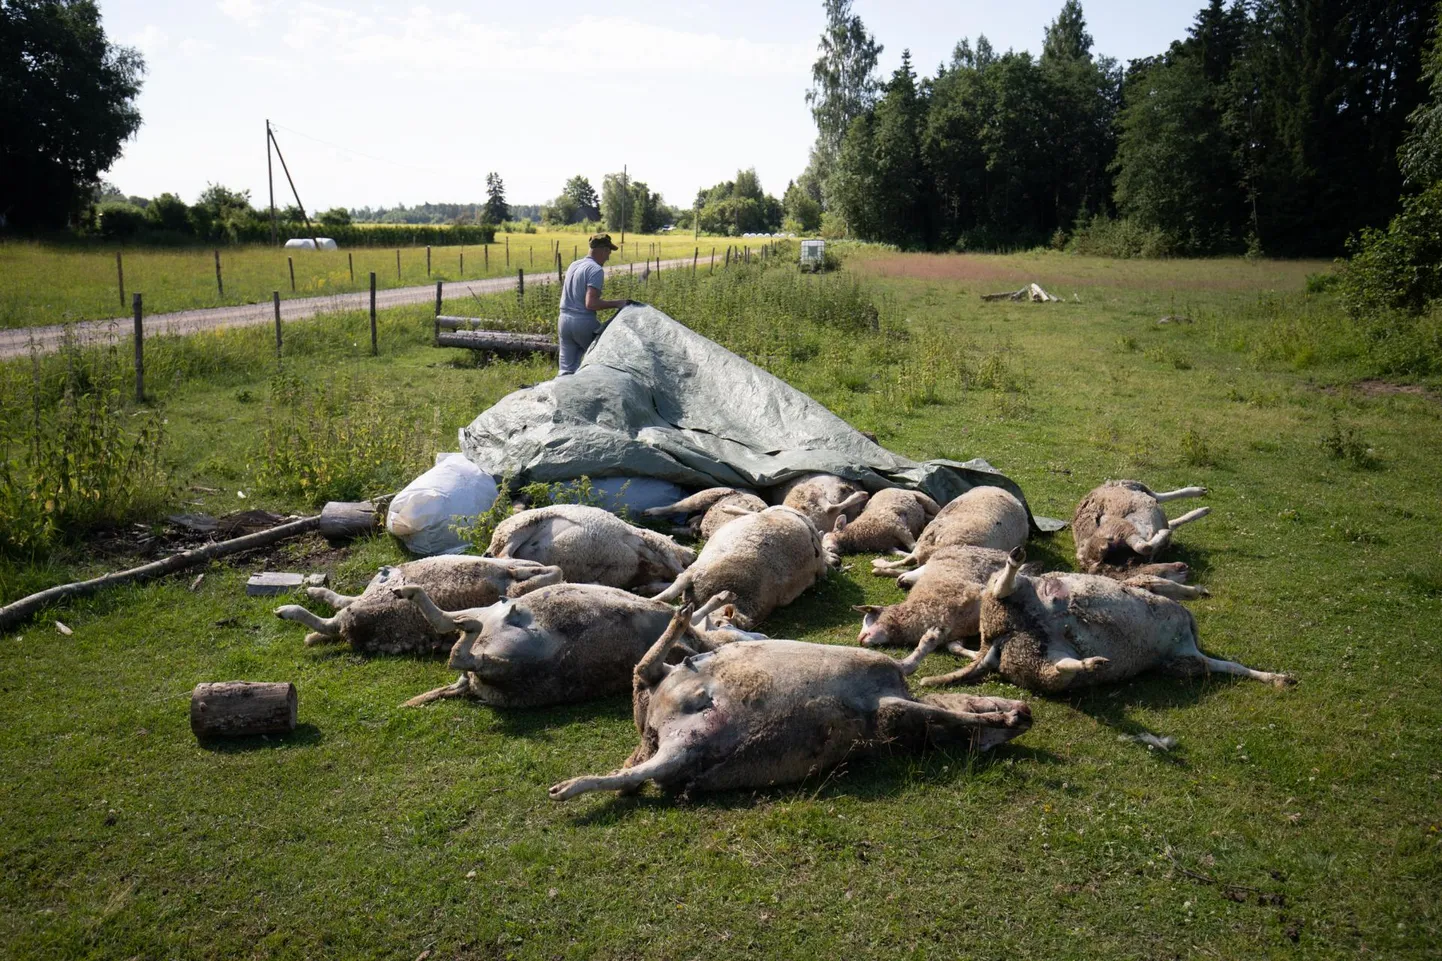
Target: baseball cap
(602, 240)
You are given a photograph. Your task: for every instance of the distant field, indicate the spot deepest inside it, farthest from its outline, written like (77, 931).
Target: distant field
(45, 284)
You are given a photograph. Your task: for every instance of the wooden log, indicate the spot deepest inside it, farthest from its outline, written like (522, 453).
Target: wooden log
(341, 521)
(12, 614)
(451, 322)
(497, 340)
(241, 708)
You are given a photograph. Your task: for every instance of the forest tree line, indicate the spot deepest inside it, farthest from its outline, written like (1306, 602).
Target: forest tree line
(1272, 126)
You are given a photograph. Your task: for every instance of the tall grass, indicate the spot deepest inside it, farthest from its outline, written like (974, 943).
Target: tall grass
(78, 461)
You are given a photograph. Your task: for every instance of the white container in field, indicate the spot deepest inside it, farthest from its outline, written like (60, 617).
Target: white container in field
(813, 254)
(306, 243)
(424, 514)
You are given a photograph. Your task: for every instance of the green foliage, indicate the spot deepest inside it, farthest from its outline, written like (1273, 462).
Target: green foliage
(496, 210)
(168, 212)
(1347, 445)
(73, 458)
(340, 440)
(335, 217)
(736, 207)
(644, 211)
(843, 77)
(67, 95)
(119, 221)
(1421, 153)
(1394, 279)
(1122, 238)
(803, 211)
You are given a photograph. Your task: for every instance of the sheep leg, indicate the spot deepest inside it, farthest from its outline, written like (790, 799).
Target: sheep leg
(1188, 517)
(670, 760)
(1071, 665)
(717, 600)
(677, 588)
(460, 688)
(942, 720)
(1166, 588)
(908, 580)
(651, 668)
(441, 622)
(1180, 492)
(930, 641)
(908, 539)
(884, 568)
(972, 673)
(323, 627)
(961, 650)
(1219, 666)
(325, 595)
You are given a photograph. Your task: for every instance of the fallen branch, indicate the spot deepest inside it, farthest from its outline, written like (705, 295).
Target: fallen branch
(12, 614)
(1031, 292)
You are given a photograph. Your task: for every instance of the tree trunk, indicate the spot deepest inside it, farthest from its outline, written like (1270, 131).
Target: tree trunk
(238, 708)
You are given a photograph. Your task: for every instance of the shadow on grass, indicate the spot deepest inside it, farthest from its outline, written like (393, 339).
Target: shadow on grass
(304, 735)
(864, 778)
(535, 723)
(826, 605)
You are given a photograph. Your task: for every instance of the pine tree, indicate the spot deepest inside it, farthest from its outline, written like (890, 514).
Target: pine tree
(496, 209)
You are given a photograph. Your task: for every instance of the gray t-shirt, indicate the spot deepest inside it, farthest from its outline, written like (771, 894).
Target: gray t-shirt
(581, 274)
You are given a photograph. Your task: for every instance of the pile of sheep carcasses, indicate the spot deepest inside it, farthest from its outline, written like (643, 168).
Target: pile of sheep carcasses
(572, 602)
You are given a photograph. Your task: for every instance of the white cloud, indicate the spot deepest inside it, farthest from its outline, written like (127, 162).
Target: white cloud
(247, 12)
(192, 48)
(151, 40)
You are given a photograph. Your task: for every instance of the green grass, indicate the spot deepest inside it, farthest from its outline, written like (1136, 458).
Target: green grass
(47, 284)
(378, 831)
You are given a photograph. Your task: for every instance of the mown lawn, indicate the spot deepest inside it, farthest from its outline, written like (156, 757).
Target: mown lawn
(1300, 823)
(49, 284)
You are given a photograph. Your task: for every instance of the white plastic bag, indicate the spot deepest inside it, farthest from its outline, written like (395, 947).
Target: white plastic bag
(423, 513)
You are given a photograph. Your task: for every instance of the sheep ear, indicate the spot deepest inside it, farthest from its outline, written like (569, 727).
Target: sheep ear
(840, 524)
(867, 608)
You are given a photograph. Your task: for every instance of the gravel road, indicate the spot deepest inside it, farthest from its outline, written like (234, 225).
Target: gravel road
(17, 342)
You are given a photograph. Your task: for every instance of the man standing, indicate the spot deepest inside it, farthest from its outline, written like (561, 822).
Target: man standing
(580, 299)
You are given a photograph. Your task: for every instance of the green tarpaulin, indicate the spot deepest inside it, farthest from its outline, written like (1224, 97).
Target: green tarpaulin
(653, 398)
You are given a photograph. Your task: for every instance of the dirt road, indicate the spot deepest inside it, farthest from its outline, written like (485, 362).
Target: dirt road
(17, 342)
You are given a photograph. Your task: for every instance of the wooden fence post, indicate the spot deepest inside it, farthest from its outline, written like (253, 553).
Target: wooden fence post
(508, 251)
(290, 261)
(486, 253)
(398, 265)
(219, 284)
(694, 258)
(139, 351)
(438, 312)
(275, 299)
(728, 256)
(533, 256)
(521, 285)
(350, 261)
(374, 348)
(428, 260)
(120, 278)
(560, 275)
(461, 275)
(712, 269)
(575, 250)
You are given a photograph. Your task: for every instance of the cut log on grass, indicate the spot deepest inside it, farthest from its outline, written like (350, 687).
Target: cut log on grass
(240, 708)
(12, 614)
(497, 340)
(342, 521)
(1031, 292)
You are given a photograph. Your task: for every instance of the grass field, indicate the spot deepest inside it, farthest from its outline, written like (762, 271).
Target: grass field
(1300, 823)
(46, 284)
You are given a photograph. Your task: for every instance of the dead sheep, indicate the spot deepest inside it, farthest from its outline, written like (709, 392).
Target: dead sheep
(821, 497)
(766, 559)
(592, 546)
(892, 519)
(982, 517)
(375, 622)
(1120, 526)
(560, 644)
(760, 713)
(1059, 631)
(705, 510)
(945, 594)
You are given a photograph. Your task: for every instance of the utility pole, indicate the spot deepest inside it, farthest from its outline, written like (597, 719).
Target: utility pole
(270, 180)
(308, 228)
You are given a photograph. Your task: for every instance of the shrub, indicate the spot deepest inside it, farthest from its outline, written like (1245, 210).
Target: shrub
(168, 212)
(1400, 268)
(1103, 236)
(119, 221)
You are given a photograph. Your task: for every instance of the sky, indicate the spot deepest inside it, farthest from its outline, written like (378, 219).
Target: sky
(384, 104)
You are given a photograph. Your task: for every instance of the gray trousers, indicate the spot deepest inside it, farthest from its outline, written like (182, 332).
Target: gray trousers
(574, 334)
